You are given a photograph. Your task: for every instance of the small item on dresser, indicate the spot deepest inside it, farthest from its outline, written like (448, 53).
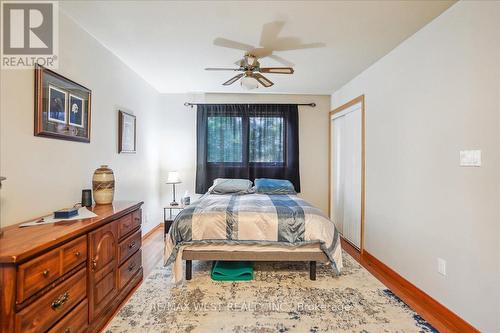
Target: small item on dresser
(103, 184)
(83, 213)
(86, 198)
(66, 213)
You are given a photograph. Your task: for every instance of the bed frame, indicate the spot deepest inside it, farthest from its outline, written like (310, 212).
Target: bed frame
(311, 257)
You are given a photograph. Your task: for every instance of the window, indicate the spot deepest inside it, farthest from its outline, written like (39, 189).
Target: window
(225, 144)
(266, 140)
(246, 141)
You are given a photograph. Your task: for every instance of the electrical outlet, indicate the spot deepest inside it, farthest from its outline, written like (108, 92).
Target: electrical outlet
(442, 266)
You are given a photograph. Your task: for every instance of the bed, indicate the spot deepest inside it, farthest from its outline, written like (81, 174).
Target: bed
(252, 227)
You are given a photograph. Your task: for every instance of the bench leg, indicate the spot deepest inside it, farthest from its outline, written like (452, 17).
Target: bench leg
(189, 269)
(312, 270)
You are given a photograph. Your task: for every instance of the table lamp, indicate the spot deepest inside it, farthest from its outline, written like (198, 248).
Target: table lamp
(173, 178)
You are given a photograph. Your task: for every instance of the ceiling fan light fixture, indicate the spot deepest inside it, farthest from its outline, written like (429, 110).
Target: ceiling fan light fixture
(249, 83)
(251, 60)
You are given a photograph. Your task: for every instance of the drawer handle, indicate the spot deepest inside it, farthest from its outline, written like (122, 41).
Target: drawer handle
(67, 330)
(131, 266)
(45, 273)
(77, 254)
(131, 245)
(93, 264)
(58, 302)
(137, 218)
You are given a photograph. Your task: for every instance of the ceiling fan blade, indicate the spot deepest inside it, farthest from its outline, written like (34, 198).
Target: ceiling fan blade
(261, 52)
(222, 69)
(276, 70)
(281, 60)
(289, 44)
(223, 42)
(233, 79)
(262, 80)
(270, 33)
(270, 39)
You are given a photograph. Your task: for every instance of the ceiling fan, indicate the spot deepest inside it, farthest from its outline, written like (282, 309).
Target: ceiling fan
(251, 72)
(270, 42)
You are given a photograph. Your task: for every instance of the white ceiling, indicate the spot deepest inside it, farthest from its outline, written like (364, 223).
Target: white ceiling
(169, 43)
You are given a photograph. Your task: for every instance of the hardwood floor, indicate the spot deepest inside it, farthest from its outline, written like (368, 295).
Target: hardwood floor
(152, 249)
(424, 305)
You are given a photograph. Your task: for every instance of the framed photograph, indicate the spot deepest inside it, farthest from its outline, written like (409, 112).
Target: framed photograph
(62, 107)
(58, 99)
(126, 132)
(75, 110)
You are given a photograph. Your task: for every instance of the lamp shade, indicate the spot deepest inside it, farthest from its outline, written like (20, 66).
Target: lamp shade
(173, 178)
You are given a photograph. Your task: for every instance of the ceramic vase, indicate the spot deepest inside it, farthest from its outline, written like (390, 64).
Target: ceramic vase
(103, 185)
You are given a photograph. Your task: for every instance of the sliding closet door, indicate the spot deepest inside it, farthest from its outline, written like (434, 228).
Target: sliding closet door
(346, 173)
(337, 186)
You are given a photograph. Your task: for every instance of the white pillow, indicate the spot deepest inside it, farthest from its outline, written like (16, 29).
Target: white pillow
(226, 185)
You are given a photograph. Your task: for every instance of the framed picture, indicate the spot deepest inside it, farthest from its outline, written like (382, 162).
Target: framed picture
(62, 107)
(75, 110)
(57, 101)
(126, 132)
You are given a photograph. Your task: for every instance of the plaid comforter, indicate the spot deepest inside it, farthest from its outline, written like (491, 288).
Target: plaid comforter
(253, 219)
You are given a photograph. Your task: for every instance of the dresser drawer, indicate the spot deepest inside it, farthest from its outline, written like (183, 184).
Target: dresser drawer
(48, 309)
(37, 273)
(74, 253)
(76, 321)
(128, 223)
(41, 271)
(129, 246)
(129, 268)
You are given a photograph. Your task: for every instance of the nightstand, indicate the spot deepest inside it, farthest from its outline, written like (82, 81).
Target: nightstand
(168, 222)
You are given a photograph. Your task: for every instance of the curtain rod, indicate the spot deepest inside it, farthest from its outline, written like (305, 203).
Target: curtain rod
(299, 104)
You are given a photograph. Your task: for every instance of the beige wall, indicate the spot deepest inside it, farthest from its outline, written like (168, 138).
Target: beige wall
(436, 94)
(178, 149)
(46, 174)
(179, 138)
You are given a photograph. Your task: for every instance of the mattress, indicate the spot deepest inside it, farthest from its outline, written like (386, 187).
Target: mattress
(263, 222)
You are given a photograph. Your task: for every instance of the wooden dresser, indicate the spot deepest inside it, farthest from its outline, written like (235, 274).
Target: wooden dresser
(70, 277)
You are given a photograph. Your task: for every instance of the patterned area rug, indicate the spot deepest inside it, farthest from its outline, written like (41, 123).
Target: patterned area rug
(280, 299)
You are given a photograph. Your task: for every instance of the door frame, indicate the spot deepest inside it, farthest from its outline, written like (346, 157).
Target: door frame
(357, 100)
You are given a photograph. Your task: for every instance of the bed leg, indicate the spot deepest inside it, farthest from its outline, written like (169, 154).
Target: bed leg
(312, 270)
(189, 269)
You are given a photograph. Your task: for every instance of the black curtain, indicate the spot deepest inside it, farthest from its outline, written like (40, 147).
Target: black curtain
(247, 141)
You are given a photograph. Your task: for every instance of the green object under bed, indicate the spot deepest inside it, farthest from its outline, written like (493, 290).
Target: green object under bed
(232, 271)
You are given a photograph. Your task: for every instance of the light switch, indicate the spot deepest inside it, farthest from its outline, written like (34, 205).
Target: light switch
(477, 158)
(470, 158)
(442, 266)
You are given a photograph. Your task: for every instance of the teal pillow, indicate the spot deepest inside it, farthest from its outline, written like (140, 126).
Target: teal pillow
(274, 186)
